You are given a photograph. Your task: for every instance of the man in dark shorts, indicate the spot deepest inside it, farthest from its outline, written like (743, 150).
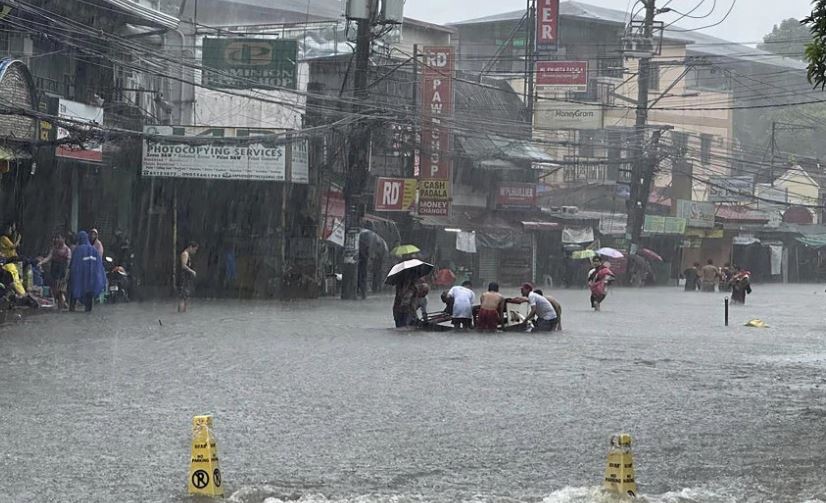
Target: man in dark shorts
(188, 275)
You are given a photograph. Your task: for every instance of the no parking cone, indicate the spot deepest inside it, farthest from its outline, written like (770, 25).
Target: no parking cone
(619, 472)
(204, 472)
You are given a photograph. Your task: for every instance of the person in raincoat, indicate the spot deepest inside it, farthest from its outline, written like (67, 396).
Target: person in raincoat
(86, 275)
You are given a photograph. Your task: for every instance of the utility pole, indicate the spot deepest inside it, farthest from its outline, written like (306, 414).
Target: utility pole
(358, 157)
(640, 176)
(530, 59)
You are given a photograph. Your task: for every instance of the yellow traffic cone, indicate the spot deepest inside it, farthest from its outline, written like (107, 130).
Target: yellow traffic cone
(619, 472)
(204, 472)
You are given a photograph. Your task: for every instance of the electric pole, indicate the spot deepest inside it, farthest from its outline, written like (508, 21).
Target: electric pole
(642, 163)
(358, 157)
(530, 60)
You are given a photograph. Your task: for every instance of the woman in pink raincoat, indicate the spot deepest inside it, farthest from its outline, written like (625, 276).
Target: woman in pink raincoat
(598, 280)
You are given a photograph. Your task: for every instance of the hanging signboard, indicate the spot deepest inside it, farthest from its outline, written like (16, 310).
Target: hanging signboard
(697, 213)
(562, 75)
(78, 113)
(727, 189)
(554, 115)
(300, 162)
(437, 109)
(656, 224)
(395, 194)
(249, 63)
(333, 210)
(254, 161)
(547, 24)
(516, 195)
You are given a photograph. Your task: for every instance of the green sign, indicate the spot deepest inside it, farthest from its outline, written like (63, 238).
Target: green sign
(655, 224)
(249, 63)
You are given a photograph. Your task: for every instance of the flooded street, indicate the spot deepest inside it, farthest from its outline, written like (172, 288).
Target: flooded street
(320, 401)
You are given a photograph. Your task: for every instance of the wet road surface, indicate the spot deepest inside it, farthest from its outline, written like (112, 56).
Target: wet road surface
(320, 401)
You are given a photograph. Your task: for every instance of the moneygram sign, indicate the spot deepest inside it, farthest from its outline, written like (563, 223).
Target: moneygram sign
(562, 75)
(249, 63)
(554, 115)
(437, 110)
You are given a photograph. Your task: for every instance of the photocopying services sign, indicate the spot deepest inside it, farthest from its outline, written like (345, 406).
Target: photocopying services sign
(79, 113)
(395, 194)
(562, 75)
(550, 115)
(249, 63)
(254, 161)
(516, 195)
(547, 24)
(696, 213)
(656, 224)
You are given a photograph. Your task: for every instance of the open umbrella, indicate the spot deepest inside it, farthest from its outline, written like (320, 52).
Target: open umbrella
(610, 252)
(402, 250)
(408, 270)
(650, 254)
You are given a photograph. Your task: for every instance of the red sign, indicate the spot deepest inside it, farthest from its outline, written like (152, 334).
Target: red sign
(516, 195)
(394, 194)
(333, 210)
(437, 108)
(547, 23)
(562, 74)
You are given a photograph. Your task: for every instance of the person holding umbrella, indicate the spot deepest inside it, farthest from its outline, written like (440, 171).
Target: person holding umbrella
(404, 276)
(598, 280)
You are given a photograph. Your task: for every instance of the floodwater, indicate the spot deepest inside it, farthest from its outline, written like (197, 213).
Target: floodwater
(320, 402)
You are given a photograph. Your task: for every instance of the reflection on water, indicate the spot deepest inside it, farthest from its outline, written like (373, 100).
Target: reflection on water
(322, 398)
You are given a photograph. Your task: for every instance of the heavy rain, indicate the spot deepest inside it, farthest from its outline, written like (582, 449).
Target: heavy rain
(389, 251)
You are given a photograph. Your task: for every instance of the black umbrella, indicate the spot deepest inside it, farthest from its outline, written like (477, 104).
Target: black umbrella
(408, 270)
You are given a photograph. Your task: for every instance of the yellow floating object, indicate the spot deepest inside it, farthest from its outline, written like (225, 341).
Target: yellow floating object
(619, 471)
(757, 324)
(204, 472)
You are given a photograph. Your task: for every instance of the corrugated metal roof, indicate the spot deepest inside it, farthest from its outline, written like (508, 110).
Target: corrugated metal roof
(699, 43)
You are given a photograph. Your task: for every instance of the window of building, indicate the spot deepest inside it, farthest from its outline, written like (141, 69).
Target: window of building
(705, 148)
(680, 143)
(654, 76)
(586, 143)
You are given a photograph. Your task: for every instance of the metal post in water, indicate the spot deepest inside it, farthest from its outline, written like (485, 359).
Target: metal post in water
(726, 304)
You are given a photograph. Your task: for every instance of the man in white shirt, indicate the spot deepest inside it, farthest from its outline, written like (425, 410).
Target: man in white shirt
(541, 308)
(463, 298)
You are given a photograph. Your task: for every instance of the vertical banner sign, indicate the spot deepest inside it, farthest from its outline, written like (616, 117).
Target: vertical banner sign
(547, 24)
(437, 109)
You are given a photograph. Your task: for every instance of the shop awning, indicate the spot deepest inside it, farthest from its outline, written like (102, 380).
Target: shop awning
(813, 240)
(541, 226)
(497, 152)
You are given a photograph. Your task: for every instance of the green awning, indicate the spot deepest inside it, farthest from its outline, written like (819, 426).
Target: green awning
(813, 240)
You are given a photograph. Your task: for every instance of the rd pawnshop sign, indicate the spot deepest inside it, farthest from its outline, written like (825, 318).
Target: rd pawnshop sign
(437, 108)
(254, 161)
(395, 194)
(249, 63)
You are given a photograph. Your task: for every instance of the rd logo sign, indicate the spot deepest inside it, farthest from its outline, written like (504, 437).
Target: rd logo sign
(395, 194)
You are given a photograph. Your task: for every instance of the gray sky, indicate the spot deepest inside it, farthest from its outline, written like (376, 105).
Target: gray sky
(748, 22)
